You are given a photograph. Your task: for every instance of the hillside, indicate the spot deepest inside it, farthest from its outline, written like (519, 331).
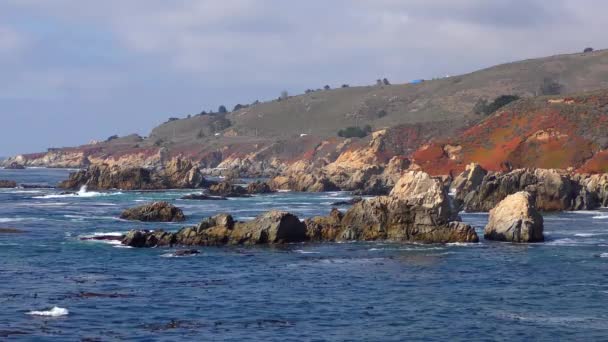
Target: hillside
(545, 132)
(268, 136)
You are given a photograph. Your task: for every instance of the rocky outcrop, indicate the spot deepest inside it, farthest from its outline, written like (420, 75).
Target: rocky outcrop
(417, 210)
(325, 228)
(515, 219)
(154, 212)
(5, 184)
(14, 166)
(227, 189)
(258, 187)
(351, 201)
(274, 227)
(304, 182)
(553, 190)
(469, 180)
(177, 174)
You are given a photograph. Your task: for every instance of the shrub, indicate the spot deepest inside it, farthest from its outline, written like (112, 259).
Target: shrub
(327, 87)
(114, 137)
(345, 86)
(172, 119)
(589, 49)
(355, 132)
(222, 109)
(382, 113)
(483, 107)
(239, 107)
(550, 87)
(386, 82)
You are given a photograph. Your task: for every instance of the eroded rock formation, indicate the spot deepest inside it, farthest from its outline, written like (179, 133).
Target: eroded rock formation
(515, 219)
(154, 212)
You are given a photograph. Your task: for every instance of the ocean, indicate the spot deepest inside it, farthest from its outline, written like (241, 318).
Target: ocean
(56, 287)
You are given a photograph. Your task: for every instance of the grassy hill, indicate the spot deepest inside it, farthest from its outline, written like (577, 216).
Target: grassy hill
(446, 105)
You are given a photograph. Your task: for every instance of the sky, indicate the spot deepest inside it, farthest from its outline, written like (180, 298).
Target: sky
(73, 71)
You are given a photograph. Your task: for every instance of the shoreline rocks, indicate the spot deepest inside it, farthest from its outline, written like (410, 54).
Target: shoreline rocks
(176, 174)
(417, 210)
(154, 212)
(553, 190)
(203, 197)
(14, 166)
(515, 219)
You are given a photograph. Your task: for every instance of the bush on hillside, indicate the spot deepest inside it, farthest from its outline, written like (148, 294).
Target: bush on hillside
(355, 132)
(114, 137)
(222, 109)
(589, 49)
(550, 87)
(483, 107)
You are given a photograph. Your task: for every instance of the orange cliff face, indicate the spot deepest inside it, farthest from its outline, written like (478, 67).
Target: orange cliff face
(559, 133)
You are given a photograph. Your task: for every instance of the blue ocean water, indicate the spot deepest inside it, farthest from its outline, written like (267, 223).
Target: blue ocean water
(556, 290)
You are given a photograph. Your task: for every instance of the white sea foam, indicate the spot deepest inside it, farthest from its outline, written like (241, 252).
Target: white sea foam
(588, 234)
(562, 242)
(301, 251)
(600, 217)
(282, 190)
(8, 219)
(81, 193)
(54, 312)
(604, 255)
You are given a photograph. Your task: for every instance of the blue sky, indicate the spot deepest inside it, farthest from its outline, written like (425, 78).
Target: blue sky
(74, 70)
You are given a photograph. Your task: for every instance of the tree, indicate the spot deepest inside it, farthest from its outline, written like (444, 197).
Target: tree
(284, 95)
(238, 107)
(550, 87)
(204, 112)
(114, 137)
(222, 109)
(345, 86)
(480, 106)
(354, 132)
(327, 87)
(589, 49)
(379, 82)
(386, 82)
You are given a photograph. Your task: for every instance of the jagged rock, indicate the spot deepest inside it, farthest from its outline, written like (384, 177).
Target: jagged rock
(515, 219)
(154, 212)
(146, 238)
(324, 228)
(5, 184)
(468, 180)
(203, 197)
(269, 228)
(417, 210)
(226, 189)
(14, 166)
(258, 187)
(303, 182)
(552, 189)
(177, 174)
(10, 231)
(351, 201)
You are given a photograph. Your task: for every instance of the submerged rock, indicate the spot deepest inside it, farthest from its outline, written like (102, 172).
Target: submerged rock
(515, 219)
(226, 189)
(5, 184)
(154, 212)
(351, 201)
(10, 231)
(203, 197)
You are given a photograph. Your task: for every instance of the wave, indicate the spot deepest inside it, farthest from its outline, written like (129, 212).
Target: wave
(81, 193)
(54, 312)
(604, 255)
(600, 217)
(588, 234)
(301, 251)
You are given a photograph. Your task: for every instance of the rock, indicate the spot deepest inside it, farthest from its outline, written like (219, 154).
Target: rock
(226, 189)
(177, 174)
(470, 179)
(553, 190)
(145, 238)
(324, 228)
(515, 219)
(5, 184)
(185, 252)
(103, 238)
(14, 166)
(273, 227)
(258, 187)
(303, 182)
(351, 201)
(154, 212)
(417, 210)
(10, 231)
(203, 197)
